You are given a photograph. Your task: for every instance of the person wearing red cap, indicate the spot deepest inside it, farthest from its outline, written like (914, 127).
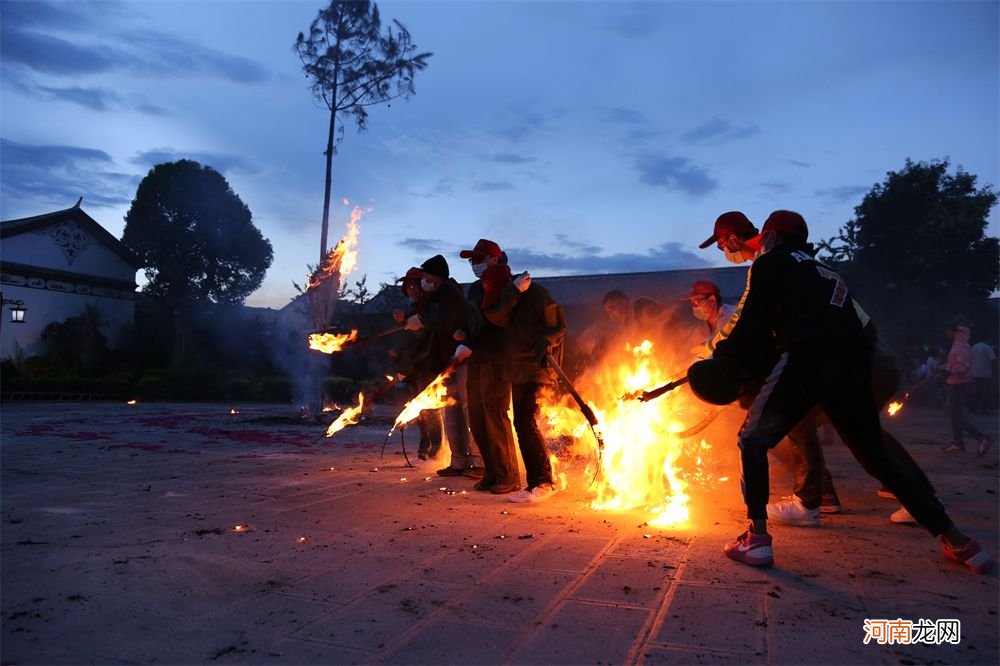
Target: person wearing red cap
(825, 360)
(430, 436)
(707, 306)
(442, 314)
(534, 328)
(489, 391)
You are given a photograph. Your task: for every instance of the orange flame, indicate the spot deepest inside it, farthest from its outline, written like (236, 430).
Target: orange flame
(348, 417)
(642, 462)
(434, 396)
(331, 343)
(342, 259)
(894, 407)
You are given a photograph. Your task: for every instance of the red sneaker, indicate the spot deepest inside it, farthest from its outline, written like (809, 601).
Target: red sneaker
(971, 555)
(752, 549)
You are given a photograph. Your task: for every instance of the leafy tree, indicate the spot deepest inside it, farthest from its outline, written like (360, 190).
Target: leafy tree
(195, 237)
(77, 343)
(353, 65)
(916, 252)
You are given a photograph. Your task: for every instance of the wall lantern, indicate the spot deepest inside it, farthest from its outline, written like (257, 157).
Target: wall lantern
(17, 309)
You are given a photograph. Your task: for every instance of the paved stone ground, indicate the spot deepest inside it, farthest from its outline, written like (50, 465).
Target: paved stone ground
(118, 546)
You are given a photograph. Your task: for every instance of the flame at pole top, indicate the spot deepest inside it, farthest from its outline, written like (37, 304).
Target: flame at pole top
(331, 343)
(434, 396)
(342, 259)
(894, 407)
(323, 285)
(348, 417)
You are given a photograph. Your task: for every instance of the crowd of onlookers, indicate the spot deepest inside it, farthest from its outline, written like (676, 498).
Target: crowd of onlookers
(926, 385)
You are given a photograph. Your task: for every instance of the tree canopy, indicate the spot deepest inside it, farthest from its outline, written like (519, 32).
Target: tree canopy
(352, 65)
(195, 237)
(916, 252)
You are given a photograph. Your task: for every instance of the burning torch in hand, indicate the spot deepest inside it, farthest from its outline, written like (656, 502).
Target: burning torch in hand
(653, 394)
(331, 343)
(585, 409)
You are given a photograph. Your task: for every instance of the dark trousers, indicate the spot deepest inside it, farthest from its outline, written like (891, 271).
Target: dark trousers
(955, 397)
(489, 397)
(804, 454)
(839, 381)
(984, 395)
(537, 466)
(428, 422)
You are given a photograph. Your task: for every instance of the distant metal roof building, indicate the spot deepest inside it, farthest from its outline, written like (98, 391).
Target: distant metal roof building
(661, 286)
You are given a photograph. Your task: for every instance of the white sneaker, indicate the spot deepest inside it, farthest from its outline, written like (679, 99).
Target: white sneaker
(536, 494)
(791, 511)
(903, 517)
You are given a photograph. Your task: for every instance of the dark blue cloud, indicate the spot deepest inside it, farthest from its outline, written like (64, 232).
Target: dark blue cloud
(66, 39)
(777, 187)
(843, 193)
(518, 124)
(718, 130)
(510, 158)
(444, 187)
(59, 175)
(52, 55)
(582, 262)
(565, 241)
(493, 186)
(623, 116)
(428, 246)
(98, 99)
(674, 173)
(221, 162)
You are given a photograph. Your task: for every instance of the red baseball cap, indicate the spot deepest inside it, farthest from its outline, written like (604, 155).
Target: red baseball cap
(733, 222)
(703, 288)
(412, 273)
(784, 223)
(484, 248)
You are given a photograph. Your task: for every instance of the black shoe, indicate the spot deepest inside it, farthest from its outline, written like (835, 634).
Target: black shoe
(504, 488)
(473, 472)
(484, 485)
(450, 471)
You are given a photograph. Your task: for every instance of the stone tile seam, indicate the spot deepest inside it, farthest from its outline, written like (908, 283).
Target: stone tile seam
(660, 607)
(522, 640)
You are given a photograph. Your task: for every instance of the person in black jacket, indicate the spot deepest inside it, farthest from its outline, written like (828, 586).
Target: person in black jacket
(825, 359)
(488, 389)
(534, 328)
(429, 424)
(441, 315)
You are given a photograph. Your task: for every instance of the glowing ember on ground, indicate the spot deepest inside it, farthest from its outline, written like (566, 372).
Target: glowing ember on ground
(240, 528)
(641, 467)
(348, 417)
(130, 402)
(894, 407)
(434, 396)
(331, 343)
(234, 411)
(302, 539)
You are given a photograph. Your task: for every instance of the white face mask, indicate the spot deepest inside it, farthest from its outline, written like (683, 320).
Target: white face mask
(734, 257)
(699, 312)
(428, 285)
(768, 241)
(479, 269)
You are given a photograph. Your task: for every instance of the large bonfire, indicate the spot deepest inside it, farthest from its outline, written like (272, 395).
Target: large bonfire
(652, 454)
